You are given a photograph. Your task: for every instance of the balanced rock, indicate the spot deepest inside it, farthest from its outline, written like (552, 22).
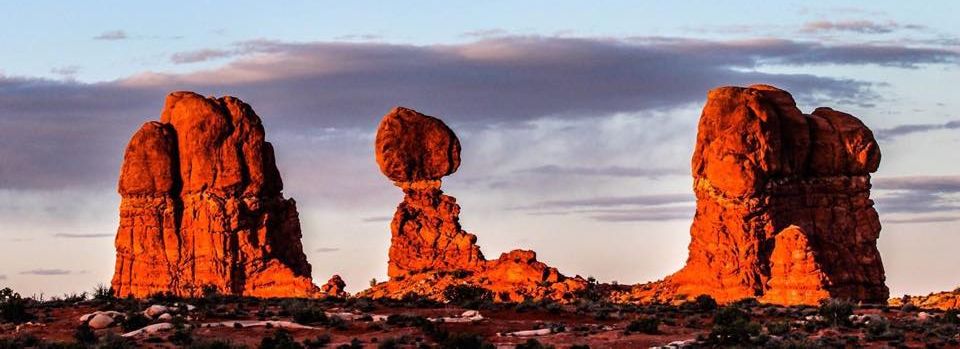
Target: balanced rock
(429, 250)
(202, 207)
(783, 205)
(334, 287)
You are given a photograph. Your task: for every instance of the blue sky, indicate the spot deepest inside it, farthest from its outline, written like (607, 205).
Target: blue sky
(560, 107)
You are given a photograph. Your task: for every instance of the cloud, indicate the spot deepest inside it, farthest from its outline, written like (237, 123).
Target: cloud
(612, 171)
(376, 219)
(82, 236)
(112, 35)
(299, 87)
(46, 272)
(3, 277)
(609, 201)
(67, 71)
(906, 129)
(934, 219)
(199, 56)
(655, 214)
(857, 26)
(941, 184)
(917, 194)
(327, 249)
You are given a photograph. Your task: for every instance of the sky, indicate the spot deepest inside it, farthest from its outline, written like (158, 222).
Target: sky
(577, 120)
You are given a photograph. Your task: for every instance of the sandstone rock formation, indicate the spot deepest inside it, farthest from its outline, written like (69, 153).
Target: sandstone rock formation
(202, 207)
(783, 205)
(429, 251)
(940, 300)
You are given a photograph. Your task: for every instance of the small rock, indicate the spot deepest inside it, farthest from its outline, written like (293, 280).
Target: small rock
(165, 317)
(155, 310)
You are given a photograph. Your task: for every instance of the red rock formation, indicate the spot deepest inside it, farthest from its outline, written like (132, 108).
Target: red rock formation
(429, 250)
(334, 287)
(783, 204)
(202, 206)
(941, 300)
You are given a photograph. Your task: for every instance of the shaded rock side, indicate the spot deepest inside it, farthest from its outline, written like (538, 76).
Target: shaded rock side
(783, 205)
(202, 207)
(429, 250)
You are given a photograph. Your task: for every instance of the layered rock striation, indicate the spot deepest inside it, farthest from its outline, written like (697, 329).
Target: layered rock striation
(429, 250)
(202, 207)
(783, 205)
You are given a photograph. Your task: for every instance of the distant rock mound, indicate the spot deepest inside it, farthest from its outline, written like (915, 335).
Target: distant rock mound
(429, 251)
(940, 300)
(783, 205)
(202, 207)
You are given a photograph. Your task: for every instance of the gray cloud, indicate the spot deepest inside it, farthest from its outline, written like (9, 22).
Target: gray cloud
(55, 134)
(903, 130)
(112, 35)
(613, 171)
(934, 219)
(67, 71)
(917, 194)
(46, 272)
(3, 277)
(941, 184)
(612, 201)
(857, 26)
(82, 236)
(648, 215)
(327, 249)
(377, 219)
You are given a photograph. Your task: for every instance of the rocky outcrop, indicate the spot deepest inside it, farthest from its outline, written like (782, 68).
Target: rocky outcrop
(202, 207)
(429, 250)
(940, 300)
(335, 287)
(783, 205)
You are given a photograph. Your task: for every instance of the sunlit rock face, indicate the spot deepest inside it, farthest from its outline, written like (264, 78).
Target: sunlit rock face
(429, 250)
(940, 300)
(202, 207)
(783, 205)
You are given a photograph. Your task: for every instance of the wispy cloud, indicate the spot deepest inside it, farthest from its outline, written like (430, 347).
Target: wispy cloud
(917, 194)
(613, 171)
(112, 35)
(67, 71)
(940, 184)
(903, 130)
(46, 272)
(612, 201)
(856, 26)
(327, 249)
(934, 219)
(81, 236)
(377, 219)
(199, 56)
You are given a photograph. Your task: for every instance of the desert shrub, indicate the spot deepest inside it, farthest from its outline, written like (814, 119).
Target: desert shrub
(778, 328)
(464, 341)
(182, 334)
(732, 326)
(836, 311)
(134, 321)
(703, 303)
(909, 308)
(281, 339)
(114, 341)
(214, 344)
(468, 296)
(84, 334)
(646, 325)
(533, 344)
(103, 293)
(579, 346)
(310, 314)
(951, 316)
(318, 341)
(13, 308)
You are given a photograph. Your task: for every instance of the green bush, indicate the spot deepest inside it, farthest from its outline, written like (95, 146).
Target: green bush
(214, 344)
(84, 334)
(13, 308)
(465, 341)
(468, 296)
(836, 311)
(732, 326)
(134, 321)
(703, 303)
(646, 325)
(317, 342)
(533, 344)
(281, 339)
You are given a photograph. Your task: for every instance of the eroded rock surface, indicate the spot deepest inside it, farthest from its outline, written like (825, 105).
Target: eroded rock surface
(202, 207)
(429, 250)
(783, 205)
